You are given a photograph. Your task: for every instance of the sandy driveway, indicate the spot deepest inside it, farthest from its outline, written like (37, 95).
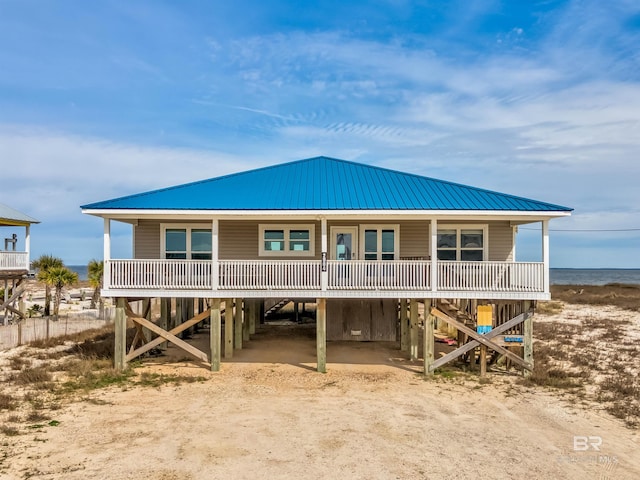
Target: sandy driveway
(370, 419)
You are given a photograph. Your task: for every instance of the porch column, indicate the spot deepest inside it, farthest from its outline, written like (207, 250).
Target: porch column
(434, 254)
(324, 274)
(413, 329)
(27, 244)
(321, 335)
(107, 239)
(214, 332)
(120, 340)
(545, 254)
(106, 255)
(215, 266)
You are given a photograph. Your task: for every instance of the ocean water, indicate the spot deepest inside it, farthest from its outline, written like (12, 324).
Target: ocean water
(81, 270)
(593, 276)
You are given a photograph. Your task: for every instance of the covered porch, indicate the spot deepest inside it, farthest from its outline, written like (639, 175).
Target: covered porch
(14, 261)
(390, 275)
(334, 278)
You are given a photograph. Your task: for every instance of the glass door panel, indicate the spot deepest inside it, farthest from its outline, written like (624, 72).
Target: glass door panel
(343, 243)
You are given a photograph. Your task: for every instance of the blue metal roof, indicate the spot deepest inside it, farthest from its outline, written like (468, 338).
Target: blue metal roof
(323, 183)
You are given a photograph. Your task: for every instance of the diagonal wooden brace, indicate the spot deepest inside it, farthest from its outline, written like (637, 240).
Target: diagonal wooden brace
(15, 311)
(482, 339)
(474, 343)
(170, 336)
(16, 293)
(139, 338)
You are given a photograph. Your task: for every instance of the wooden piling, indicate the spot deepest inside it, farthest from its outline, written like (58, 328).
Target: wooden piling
(179, 316)
(214, 334)
(228, 328)
(189, 312)
(429, 345)
(321, 335)
(237, 327)
(413, 329)
(163, 322)
(528, 336)
(252, 310)
(245, 322)
(404, 326)
(120, 340)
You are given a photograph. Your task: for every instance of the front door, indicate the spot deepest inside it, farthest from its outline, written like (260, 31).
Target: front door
(344, 243)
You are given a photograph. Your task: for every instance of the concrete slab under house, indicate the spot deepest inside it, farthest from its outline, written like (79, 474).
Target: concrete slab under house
(371, 248)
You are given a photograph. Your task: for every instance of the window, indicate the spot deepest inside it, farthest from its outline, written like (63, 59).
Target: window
(201, 244)
(185, 242)
(380, 242)
(462, 243)
(287, 240)
(176, 243)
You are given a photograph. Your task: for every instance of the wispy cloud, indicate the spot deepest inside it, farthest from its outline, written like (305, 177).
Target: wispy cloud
(53, 173)
(541, 99)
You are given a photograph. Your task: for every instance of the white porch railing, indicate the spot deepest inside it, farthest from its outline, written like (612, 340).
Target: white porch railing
(155, 274)
(305, 275)
(14, 261)
(491, 276)
(270, 274)
(379, 275)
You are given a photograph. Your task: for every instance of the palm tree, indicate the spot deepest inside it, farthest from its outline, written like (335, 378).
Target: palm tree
(58, 278)
(95, 270)
(42, 264)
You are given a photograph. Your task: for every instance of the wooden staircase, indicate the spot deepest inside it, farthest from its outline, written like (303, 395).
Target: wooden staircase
(459, 310)
(276, 307)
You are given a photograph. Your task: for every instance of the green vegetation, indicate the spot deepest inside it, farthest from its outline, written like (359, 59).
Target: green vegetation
(616, 294)
(95, 270)
(34, 310)
(549, 308)
(58, 278)
(42, 265)
(569, 356)
(7, 402)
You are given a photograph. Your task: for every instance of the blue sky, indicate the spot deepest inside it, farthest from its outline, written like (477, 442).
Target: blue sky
(535, 98)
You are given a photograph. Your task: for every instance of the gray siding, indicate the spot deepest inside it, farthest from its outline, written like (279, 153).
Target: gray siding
(147, 236)
(239, 239)
(500, 242)
(147, 239)
(414, 240)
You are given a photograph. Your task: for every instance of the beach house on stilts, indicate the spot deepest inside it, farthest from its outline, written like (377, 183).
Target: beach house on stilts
(14, 259)
(372, 247)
